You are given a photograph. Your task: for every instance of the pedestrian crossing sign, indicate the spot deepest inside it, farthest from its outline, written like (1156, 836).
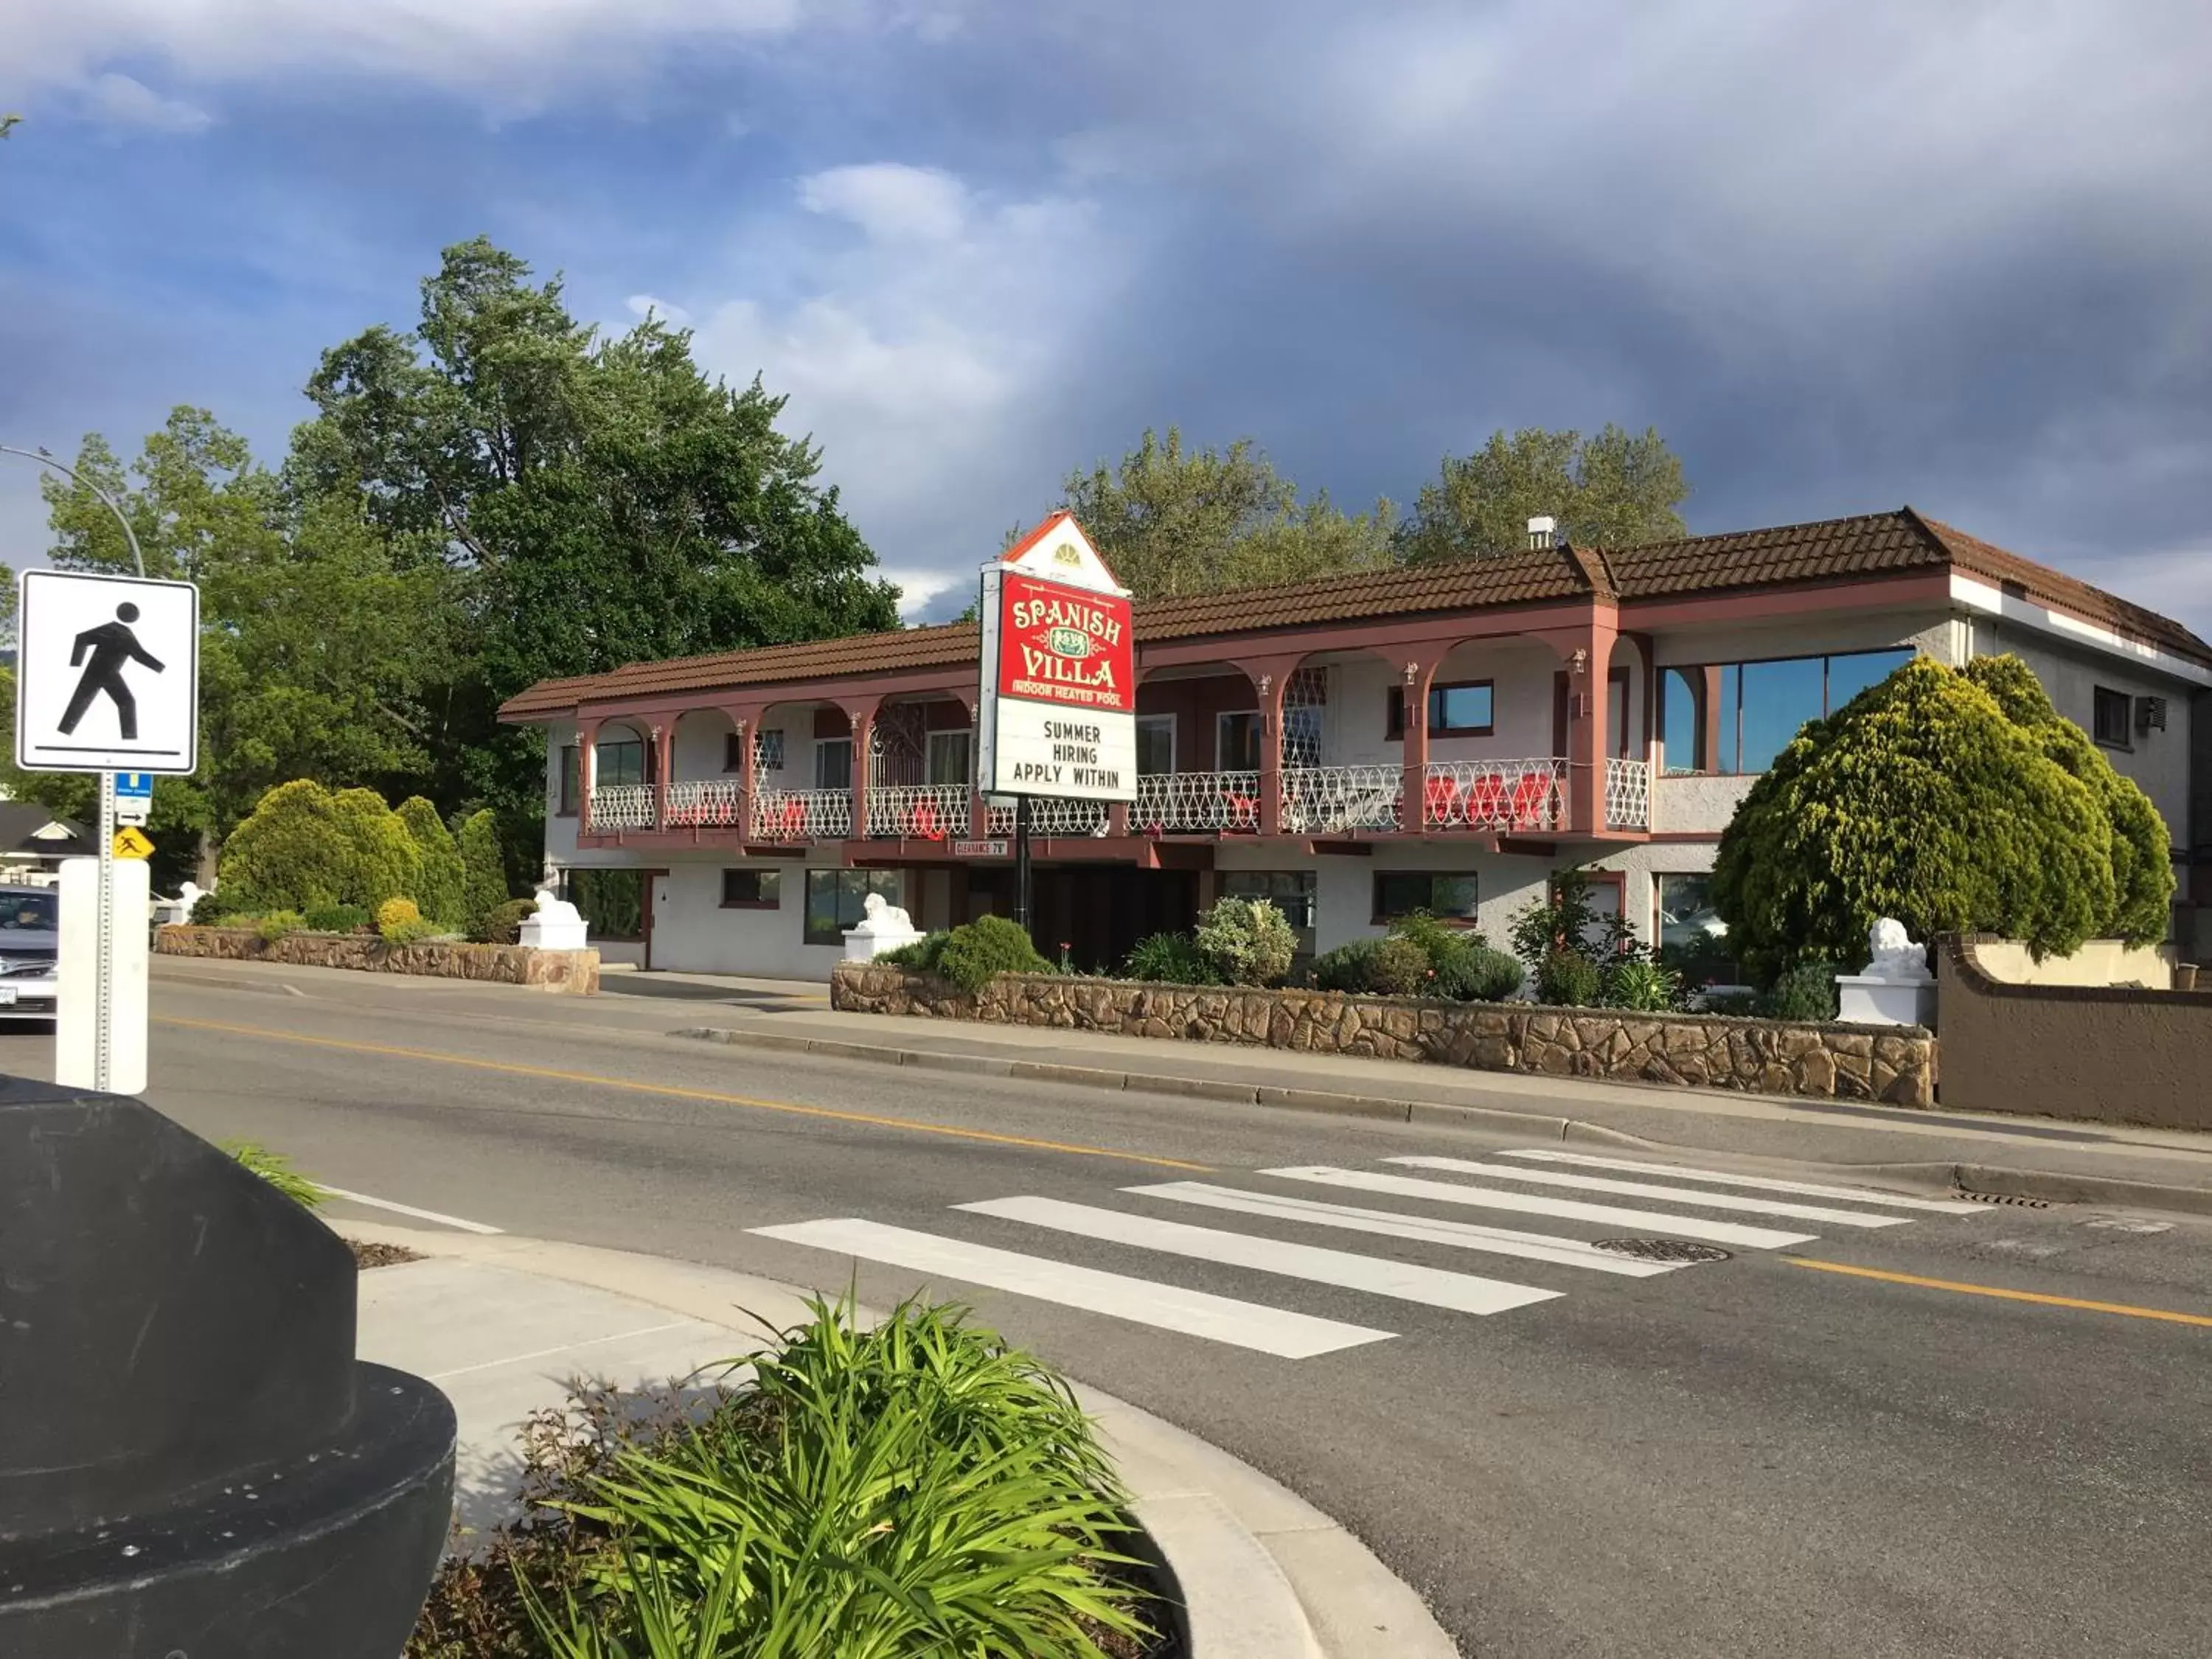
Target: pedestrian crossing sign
(107, 673)
(131, 843)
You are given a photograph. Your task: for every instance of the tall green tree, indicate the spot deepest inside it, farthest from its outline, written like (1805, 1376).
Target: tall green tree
(598, 501)
(1615, 488)
(1173, 522)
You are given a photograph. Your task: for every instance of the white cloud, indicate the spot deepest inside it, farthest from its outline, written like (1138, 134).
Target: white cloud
(888, 201)
(121, 101)
(641, 306)
(918, 588)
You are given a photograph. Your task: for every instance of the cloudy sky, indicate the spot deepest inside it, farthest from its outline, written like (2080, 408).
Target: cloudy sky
(1842, 256)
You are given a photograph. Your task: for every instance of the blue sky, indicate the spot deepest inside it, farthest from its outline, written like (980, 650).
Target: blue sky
(1843, 257)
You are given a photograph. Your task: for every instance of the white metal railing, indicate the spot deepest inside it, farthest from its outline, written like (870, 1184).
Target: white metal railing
(708, 803)
(1494, 794)
(1339, 799)
(620, 806)
(924, 811)
(1049, 817)
(1195, 803)
(1628, 793)
(802, 814)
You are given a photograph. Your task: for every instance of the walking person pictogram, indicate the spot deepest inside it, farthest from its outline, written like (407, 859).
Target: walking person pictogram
(112, 645)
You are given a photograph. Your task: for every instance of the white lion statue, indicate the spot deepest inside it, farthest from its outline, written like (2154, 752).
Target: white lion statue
(1896, 958)
(879, 917)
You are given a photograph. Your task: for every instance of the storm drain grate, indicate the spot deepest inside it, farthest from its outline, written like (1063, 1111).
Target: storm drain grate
(1662, 1249)
(2002, 1198)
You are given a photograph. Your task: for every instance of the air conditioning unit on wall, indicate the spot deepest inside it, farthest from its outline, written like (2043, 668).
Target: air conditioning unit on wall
(2150, 713)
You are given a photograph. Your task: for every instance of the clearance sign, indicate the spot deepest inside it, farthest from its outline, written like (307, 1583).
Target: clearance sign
(1058, 713)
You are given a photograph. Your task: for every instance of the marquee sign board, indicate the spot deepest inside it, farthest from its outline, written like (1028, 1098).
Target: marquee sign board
(1058, 713)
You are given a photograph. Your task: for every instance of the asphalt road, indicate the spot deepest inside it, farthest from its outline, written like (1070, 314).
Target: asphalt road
(1748, 1457)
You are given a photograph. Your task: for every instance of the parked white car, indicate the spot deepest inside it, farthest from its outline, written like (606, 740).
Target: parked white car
(30, 941)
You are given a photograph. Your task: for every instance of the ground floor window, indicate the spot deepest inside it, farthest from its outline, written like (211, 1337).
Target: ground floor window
(1691, 938)
(610, 901)
(1402, 892)
(1291, 891)
(837, 899)
(751, 890)
(572, 778)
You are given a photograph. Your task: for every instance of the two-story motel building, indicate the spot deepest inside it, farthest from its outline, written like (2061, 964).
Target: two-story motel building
(1442, 737)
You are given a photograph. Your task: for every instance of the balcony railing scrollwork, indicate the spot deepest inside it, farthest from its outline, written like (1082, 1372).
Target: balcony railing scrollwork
(615, 807)
(1196, 804)
(919, 811)
(708, 804)
(1495, 795)
(1336, 800)
(1627, 794)
(802, 814)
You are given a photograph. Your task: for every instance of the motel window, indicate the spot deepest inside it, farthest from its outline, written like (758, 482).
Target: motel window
(1756, 708)
(837, 899)
(2111, 711)
(733, 751)
(572, 781)
(833, 763)
(1692, 939)
(1156, 744)
(1405, 892)
(949, 759)
(1291, 891)
(768, 751)
(1616, 712)
(620, 763)
(1237, 742)
(752, 890)
(1464, 708)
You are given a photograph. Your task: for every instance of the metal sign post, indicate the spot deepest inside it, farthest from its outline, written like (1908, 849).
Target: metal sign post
(1024, 912)
(103, 1016)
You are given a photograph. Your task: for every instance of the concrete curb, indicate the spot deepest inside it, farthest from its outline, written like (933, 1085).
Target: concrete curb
(1264, 1574)
(2049, 1186)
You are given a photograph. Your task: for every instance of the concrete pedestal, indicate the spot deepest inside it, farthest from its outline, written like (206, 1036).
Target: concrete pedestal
(863, 945)
(1863, 1000)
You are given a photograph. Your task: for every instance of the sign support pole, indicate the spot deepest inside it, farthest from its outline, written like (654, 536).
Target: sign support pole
(103, 1028)
(1023, 911)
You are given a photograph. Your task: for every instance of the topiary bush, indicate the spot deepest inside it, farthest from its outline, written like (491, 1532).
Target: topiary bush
(395, 912)
(1807, 991)
(1568, 979)
(1247, 941)
(920, 955)
(439, 882)
(1921, 799)
(502, 923)
(1399, 967)
(977, 952)
(483, 871)
(1170, 959)
(1347, 968)
(209, 908)
(336, 919)
(1479, 974)
(290, 854)
(384, 863)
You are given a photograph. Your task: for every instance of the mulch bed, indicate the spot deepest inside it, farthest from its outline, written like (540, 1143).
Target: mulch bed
(379, 1255)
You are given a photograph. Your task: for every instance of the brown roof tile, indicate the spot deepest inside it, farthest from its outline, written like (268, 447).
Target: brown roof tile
(1871, 544)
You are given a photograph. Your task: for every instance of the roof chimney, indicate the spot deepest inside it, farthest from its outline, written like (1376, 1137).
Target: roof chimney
(1543, 533)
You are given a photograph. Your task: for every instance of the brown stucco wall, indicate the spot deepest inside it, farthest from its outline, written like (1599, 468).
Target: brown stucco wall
(1847, 1062)
(575, 971)
(2086, 1051)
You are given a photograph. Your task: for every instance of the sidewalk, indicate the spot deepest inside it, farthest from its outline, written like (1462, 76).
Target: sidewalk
(502, 1323)
(2030, 1157)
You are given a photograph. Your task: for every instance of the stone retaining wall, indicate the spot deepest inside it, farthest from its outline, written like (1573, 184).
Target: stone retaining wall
(575, 971)
(1895, 1064)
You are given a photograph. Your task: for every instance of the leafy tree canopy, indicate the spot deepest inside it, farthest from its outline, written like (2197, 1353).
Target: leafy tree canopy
(1615, 488)
(1926, 799)
(1172, 521)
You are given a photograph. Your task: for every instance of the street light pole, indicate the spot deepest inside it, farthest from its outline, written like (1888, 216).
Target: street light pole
(107, 500)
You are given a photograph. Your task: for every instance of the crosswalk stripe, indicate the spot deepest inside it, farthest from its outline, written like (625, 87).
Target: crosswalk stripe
(1427, 1230)
(1405, 1280)
(1652, 1189)
(1490, 1197)
(1278, 1331)
(1763, 1183)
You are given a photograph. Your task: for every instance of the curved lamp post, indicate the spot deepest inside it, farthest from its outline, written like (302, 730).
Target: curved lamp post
(107, 500)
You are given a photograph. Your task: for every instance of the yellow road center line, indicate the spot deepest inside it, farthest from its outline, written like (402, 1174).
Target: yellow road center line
(2009, 1296)
(670, 1090)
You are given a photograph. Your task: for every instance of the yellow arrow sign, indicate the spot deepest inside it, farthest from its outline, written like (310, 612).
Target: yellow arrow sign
(131, 844)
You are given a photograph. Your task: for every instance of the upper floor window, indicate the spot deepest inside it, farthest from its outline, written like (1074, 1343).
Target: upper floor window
(620, 762)
(833, 763)
(2112, 726)
(1737, 717)
(947, 761)
(1465, 708)
(1156, 744)
(1237, 742)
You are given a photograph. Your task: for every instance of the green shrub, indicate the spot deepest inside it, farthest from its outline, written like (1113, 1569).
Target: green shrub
(1170, 959)
(384, 863)
(502, 923)
(920, 955)
(409, 932)
(1805, 992)
(1568, 979)
(439, 887)
(979, 951)
(1566, 919)
(1921, 800)
(290, 854)
(209, 908)
(483, 871)
(1479, 974)
(336, 919)
(394, 911)
(610, 901)
(273, 924)
(917, 1488)
(1347, 968)
(277, 1172)
(1247, 941)
(1739, 1005)
(1399, 967)
(1642, 986)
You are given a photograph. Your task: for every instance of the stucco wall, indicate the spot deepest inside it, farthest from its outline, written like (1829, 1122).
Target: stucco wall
(691, 931)
(2119, 1056)
(2099, 962)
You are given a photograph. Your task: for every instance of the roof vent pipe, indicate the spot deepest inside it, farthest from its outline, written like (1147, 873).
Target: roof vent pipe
(1543, 533)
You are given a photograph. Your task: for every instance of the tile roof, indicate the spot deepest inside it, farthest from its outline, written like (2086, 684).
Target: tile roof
(1874, 544)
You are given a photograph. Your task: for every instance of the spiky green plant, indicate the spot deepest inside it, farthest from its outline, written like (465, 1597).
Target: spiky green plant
(277, 1169)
